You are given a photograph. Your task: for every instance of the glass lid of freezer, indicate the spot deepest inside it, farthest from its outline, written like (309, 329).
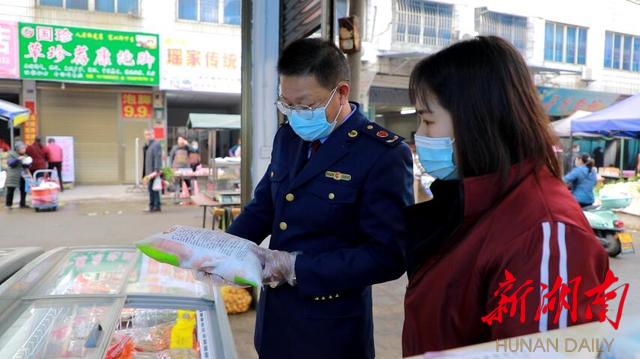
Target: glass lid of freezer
(57, 328)
(99, 271)
(154, 278)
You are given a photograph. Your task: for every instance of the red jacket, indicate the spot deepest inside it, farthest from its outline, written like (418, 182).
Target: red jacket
(463, 241)
(37, 153)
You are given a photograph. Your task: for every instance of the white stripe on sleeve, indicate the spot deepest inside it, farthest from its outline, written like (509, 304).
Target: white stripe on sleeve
(544, 273)
(562, 245)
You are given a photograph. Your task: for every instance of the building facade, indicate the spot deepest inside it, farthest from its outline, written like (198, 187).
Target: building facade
(584, 55)
(102, 71)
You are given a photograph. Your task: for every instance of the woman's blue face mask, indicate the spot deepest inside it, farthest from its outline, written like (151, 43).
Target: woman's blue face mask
(436, 156)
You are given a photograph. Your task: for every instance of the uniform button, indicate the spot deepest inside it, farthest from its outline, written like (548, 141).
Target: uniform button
(332, 195)
(290, 197)
(316, 298)
(337, 295)
(370, 127)
(272, 174)
(323, 298)
(330, 297)
(283, 226)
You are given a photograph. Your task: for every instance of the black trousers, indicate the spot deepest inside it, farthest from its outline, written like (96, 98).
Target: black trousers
(23, 194)
(58, 167)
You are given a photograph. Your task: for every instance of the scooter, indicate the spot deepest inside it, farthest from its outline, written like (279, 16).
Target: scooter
(608, 228)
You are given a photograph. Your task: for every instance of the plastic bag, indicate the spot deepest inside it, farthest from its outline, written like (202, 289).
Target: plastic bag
(218, 253)
(121, 347)
(157, 184)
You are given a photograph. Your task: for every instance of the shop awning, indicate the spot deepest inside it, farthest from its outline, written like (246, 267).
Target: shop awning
(563, 102)
(13, 113)
(562, 127)
(214, 121)
(621, 119)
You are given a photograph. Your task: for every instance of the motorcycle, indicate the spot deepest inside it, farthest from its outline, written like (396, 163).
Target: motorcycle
(609, 230)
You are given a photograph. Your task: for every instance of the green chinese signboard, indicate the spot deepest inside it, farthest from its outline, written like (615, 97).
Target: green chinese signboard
(71, 54)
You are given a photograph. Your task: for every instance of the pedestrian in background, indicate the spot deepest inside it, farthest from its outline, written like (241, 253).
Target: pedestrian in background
(37, 152)
(500, 213)
(17, 170)
(54, 156)
(179, 159)
(582, 179)
(152, 168)
(194, 156)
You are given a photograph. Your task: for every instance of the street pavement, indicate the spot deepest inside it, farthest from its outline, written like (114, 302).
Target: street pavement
(121, 222)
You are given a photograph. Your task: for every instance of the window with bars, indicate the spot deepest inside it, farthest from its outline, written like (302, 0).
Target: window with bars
(423, 22)
(509, 27)
(565, 43)
(622, 51)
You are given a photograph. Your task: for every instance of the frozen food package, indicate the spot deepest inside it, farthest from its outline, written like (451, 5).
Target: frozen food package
(218, 253)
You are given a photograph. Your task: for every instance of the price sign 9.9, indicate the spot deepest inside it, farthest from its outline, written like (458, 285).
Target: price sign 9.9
(136, 105)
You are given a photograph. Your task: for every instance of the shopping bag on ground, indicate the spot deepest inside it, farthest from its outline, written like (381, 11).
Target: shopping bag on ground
(215, 252)
(157, 184)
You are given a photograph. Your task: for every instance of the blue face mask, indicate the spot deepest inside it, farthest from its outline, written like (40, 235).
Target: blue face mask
(312, 124)
(436, 156)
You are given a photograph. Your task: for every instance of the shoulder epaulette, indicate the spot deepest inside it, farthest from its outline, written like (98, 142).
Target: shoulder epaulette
(381, 134)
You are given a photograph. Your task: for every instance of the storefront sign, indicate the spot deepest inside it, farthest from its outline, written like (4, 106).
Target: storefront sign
(68, 165)
(70, 54)
(564, 102)
(136, 105)
(9, 50)
(206, 64)
(30, 127)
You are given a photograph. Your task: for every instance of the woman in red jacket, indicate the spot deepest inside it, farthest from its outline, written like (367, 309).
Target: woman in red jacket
(498, 251)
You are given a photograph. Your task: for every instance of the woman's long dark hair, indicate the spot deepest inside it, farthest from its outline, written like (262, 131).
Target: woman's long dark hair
(498, 119)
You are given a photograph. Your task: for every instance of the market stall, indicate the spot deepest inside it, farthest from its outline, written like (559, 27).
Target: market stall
(621, 121)
(223, 180)
(109, 302)
(14, 114)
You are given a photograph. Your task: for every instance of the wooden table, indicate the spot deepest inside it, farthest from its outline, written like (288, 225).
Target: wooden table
(204, 201)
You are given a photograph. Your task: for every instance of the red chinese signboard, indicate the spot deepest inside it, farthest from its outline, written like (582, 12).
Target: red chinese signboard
(136, 105)
(30, 127)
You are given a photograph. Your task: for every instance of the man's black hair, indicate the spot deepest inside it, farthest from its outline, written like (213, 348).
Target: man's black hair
(316, 57)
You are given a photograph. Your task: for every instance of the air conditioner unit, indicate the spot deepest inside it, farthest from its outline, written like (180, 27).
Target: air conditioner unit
(467, 36)
(587, 74)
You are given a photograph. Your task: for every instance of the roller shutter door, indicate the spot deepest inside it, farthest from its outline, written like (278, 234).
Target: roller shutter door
(92, 119)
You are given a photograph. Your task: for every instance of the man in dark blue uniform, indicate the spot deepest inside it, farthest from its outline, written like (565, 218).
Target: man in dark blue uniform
(332, 201)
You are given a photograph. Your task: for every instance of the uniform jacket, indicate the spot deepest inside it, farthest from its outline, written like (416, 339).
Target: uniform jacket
(582, 181)
(15, 170)
(463, 241)
(343, 211)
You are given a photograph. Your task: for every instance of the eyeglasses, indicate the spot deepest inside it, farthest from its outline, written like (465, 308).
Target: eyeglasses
(303, 111)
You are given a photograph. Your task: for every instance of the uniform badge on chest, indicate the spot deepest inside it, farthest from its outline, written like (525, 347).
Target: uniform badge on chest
(338, 176)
